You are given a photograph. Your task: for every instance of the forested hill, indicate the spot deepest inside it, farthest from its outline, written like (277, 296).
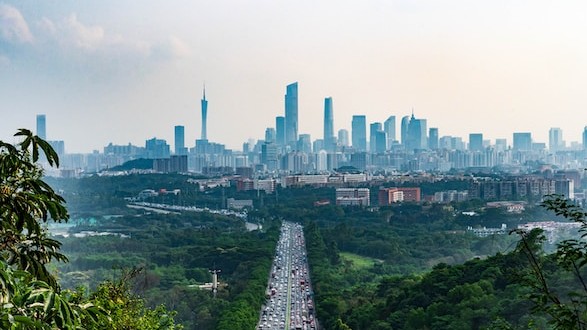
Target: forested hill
(408, 266)
(479, 294)
(521, 288)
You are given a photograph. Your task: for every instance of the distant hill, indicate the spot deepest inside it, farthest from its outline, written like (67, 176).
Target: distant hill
(348, 169)
(139, 164)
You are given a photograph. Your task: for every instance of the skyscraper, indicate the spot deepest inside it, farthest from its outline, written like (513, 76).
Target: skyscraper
(41, 127)
(522, 141)
(280, 130)
(58, 146)
(585, 138)
(380, 142)
(204, 116)
(269, 155)
(423, 133)
(328, 125)
(404, 129)
(555, 139)
(359, 133)
(433, 138)
(475, 142)
(270, 135)
(321, 160)
(304, 143)
(343, 137)
(317, 145)
(374, 128)
(416, 134)
(389, 128)
(291, 115)
(180, 140)
(501, 144)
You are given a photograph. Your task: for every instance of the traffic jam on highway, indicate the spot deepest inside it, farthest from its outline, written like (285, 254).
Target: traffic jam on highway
(290, 302)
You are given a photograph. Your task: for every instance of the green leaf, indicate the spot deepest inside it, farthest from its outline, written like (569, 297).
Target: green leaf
(24, 320)
(49, 302)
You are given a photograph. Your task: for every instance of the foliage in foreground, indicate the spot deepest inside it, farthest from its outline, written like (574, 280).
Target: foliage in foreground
(567, 308)
(30, 295)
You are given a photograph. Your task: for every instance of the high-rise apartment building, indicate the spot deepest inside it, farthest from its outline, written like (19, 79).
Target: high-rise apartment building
(318, 145)
(445, 142)
(329, 144)
(389, 129)
(475, 142)
(157, 148)
(180, 148)
(321, 161)
(359, 132)
(42, 127)
(501, 144)
(457, 143)
(291, 114)
(555, 139)
(204, 104)
(246, 147)
(522, 141)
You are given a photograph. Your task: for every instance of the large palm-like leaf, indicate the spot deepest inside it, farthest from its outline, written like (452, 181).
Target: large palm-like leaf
(32, 304)
(30, 297)
(26, 201)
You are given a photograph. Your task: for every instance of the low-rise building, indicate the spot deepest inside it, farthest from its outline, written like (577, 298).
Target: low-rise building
(352, 197)
(239, 204)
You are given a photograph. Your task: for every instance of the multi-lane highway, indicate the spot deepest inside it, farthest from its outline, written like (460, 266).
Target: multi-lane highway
(290, 301)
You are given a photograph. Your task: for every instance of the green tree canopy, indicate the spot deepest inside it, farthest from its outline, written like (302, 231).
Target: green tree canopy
(30, 295)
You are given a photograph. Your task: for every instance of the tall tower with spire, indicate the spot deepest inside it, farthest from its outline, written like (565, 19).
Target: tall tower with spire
(415, 134)
(204, 115)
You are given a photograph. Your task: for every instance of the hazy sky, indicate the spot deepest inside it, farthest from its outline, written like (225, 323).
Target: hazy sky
(125, 71)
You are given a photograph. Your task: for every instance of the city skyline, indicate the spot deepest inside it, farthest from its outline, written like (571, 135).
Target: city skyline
(415, 136)
(328, 124)
(100, 77)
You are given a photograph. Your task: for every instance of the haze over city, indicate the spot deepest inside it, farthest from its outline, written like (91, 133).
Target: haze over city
(128, 71)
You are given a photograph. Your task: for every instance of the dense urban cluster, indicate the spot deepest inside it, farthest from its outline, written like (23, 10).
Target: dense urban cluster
(366, 262)
(373, 147)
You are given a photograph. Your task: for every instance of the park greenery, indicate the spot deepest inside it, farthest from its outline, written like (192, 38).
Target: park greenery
(373, 261)
(176, 253)
(405, 266)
